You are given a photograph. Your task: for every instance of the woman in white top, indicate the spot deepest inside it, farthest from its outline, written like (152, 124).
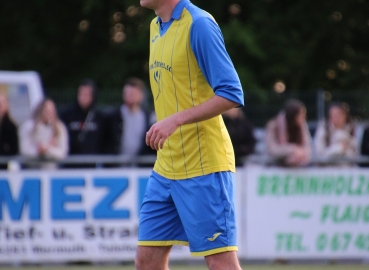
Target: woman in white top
(44, 136)
(336, 137)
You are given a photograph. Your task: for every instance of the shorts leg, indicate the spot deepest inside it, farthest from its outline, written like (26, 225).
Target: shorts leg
(206, 207)
(160, 224)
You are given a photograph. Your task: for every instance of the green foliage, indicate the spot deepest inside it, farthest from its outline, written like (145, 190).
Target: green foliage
(306, 46)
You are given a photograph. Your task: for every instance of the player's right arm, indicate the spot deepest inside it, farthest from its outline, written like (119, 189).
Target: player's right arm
(160, 131)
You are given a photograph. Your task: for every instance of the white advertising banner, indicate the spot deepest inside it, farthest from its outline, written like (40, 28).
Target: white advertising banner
(72, 215)
(306, 213)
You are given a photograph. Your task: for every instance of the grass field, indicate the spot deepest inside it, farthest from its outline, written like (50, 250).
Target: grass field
(200, 267)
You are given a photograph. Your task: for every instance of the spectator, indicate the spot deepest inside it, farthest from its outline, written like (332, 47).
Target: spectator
(129, 123)
(364, 149)
(8, 130)
(335, 138)
(287, 136)
(44, 136)
(84, 123)
(240, 130)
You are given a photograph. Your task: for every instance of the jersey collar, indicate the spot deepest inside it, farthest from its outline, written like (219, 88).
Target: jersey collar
(176, 15)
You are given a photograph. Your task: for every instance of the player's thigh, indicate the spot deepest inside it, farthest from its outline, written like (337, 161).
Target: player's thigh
(207, 210)
(223, 261)
(160, 224)
(152, 257)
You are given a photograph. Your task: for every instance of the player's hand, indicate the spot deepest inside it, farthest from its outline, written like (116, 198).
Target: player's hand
(42, 149)
(160, 131)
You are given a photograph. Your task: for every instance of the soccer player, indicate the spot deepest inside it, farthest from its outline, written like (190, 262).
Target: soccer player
(189, 196)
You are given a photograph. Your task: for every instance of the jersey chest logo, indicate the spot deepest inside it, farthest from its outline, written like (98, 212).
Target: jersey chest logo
(157, 76)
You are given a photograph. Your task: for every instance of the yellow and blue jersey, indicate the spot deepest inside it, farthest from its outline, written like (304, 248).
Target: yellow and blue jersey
(189, 65)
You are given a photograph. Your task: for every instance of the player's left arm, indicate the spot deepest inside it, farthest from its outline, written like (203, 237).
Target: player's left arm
(208, 46)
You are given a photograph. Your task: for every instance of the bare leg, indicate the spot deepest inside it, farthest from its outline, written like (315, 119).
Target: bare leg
(223, 261)
(152, 258)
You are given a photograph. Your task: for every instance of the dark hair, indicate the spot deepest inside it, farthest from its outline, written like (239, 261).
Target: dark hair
(292, 108)
(344, 107)
(135, 82)
(91, 83)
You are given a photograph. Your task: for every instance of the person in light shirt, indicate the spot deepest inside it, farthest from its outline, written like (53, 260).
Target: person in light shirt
(335, 138)
(44, 136)
(129, 122)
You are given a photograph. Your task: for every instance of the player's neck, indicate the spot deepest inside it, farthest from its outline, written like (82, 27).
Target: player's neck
(165, 11)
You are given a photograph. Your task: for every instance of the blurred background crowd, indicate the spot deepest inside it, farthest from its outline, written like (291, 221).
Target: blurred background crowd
(81, 128)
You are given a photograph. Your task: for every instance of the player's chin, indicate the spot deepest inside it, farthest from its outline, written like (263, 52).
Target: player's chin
(144, 3)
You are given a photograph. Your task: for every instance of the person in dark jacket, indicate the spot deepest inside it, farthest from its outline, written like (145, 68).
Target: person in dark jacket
(8, 130)
(84, 122)
(364, 148)
(130, 122)
(241, 133)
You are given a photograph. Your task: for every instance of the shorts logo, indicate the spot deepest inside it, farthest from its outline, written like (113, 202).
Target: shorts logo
(215, 235)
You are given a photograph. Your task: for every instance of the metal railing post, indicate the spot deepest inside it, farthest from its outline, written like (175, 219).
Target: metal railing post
(320, 104)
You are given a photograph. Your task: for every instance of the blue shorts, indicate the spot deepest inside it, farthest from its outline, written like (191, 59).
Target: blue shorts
(198, 212)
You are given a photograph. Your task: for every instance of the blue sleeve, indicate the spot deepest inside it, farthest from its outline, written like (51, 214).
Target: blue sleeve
(208, 46)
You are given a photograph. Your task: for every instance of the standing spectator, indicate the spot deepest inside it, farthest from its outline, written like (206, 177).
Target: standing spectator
(287, 136)
(241, 132)
(129, 122)
(336, 137)
(8, 130)
(44, 136)
(84, 122)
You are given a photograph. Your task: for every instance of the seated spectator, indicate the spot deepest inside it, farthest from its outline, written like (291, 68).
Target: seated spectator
(335, 138)
(130, 122)
(240, 130)
(287, 136)
(84, 122)
(44, 136)
(8, 130)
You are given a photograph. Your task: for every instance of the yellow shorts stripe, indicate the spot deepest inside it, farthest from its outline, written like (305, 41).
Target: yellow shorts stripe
(214, 251)
(162, 243)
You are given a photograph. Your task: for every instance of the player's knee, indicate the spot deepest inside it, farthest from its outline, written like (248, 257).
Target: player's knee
(149, 258)
(219, 265)
(142, 264)
(223, 261)
(139, 263)
(141, 260)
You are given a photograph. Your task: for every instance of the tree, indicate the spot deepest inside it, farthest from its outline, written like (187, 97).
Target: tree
(305, 46)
